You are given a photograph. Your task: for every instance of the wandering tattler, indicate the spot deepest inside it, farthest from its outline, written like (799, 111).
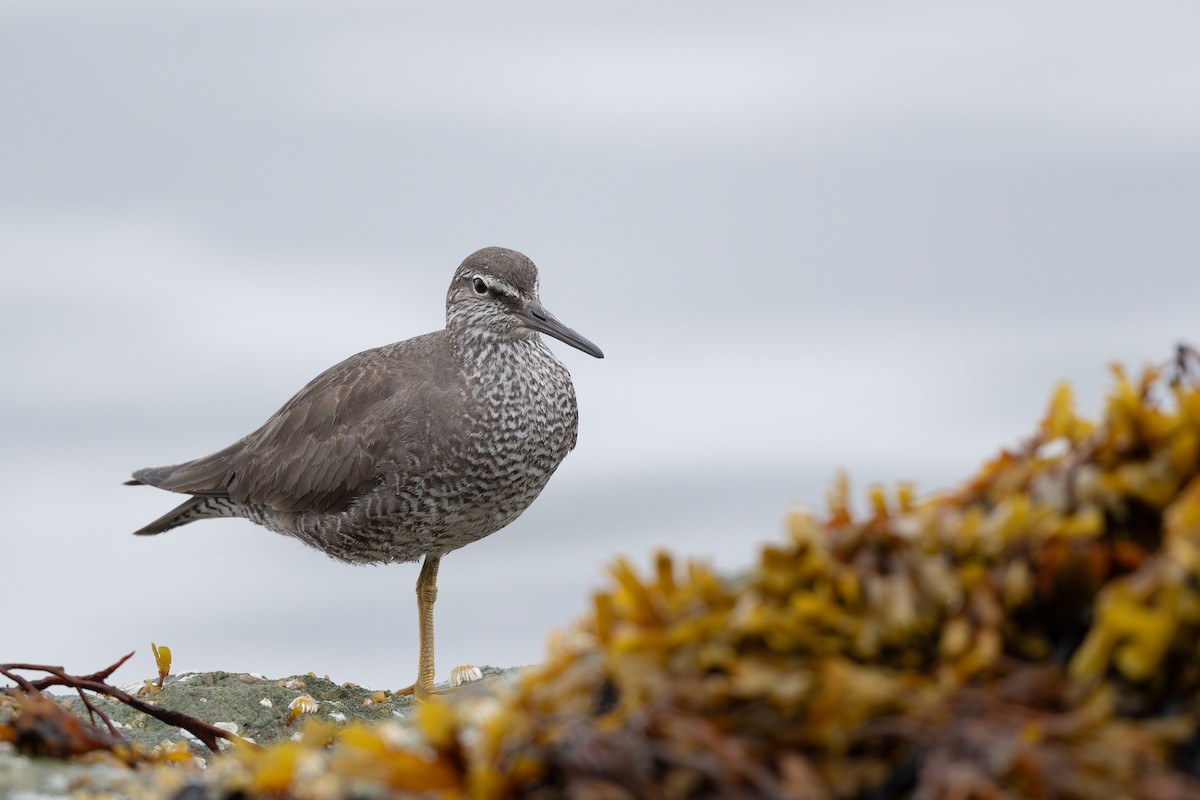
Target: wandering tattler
(408, 450)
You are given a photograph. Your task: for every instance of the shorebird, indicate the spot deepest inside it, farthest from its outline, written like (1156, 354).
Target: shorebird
(410, 450)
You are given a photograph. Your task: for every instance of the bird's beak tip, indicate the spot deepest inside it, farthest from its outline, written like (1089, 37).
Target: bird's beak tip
(535, 316)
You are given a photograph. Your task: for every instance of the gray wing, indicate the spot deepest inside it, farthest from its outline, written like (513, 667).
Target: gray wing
(326, 445)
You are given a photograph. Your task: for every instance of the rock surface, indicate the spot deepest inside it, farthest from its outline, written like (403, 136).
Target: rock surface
(249, 705)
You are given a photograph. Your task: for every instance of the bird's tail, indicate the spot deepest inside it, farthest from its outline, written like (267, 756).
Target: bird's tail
(153, 476)
(191, 510)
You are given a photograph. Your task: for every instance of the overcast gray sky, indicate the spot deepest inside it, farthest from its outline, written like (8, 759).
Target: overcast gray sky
(807, 237)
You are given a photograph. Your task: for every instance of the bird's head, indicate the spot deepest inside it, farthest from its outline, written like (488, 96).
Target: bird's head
(494, 294)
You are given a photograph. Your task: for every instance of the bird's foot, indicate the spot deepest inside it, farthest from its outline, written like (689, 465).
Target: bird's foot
(467, 673)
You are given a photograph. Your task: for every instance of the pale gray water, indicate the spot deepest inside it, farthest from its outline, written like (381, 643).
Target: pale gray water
(806, 238)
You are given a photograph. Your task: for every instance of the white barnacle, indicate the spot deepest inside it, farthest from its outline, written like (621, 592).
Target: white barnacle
(465, 674)
(266, 702)
(303, 702)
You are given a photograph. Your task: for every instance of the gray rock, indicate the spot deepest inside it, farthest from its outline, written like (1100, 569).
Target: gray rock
(214, 697)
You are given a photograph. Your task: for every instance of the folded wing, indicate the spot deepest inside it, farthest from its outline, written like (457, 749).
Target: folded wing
(325, 446)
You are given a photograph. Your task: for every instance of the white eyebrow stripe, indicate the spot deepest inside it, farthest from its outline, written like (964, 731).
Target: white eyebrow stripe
(503, 287)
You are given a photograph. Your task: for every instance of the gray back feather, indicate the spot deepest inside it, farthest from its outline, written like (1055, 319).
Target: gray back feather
(327, 444)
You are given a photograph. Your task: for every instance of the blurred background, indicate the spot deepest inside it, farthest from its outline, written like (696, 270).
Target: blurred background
(807, 236)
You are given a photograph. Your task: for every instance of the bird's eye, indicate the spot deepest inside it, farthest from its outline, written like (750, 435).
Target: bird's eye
(480, 286)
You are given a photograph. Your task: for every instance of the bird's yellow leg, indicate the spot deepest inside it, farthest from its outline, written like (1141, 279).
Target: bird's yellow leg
(426, 596)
